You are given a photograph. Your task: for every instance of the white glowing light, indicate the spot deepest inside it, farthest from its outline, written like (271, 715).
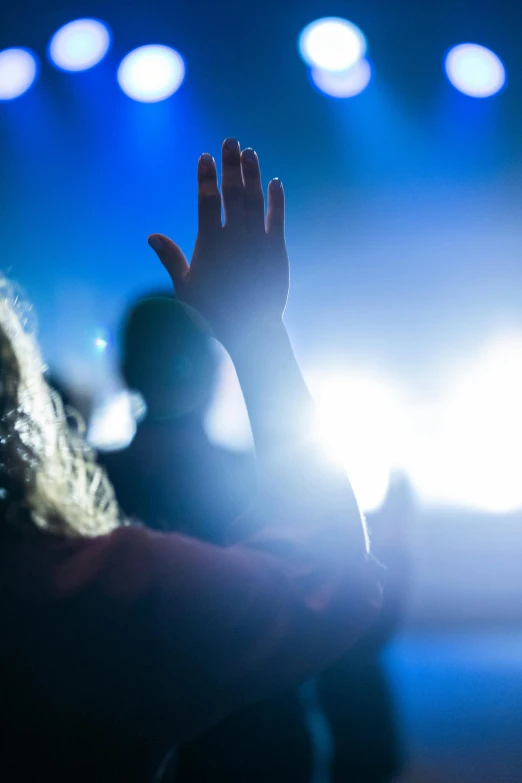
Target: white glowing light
(151, 73)
(332, 44)
(475, 70)
(227, 423)
(469, 444)
(360, 423)
(101, 344)
(18, 70)
(79, 45)
(343, 84)
(113, 425)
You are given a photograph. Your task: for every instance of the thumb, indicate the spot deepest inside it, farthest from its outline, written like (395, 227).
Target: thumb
(171, 256)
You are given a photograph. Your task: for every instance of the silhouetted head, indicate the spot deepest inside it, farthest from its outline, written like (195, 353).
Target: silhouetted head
(168, 357)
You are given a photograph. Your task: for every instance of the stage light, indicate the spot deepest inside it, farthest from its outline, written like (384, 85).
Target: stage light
(151, 73)
(113, 424)
(79, 45)
(101, 340)
(343, 84)
(18, 70)
(469, 452)
(100, 343)
(332, 44)
(226, 423)
(475, 70)
(360, 424)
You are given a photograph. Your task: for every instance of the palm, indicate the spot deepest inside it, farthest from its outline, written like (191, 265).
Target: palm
(239, 271)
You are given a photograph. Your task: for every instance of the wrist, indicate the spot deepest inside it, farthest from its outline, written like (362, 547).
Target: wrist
(279, 404)
(251, 341)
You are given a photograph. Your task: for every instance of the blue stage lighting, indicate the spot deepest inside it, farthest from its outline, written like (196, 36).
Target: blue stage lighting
(18, 70)
(151, 73)
(343, 84)
(79, 45)
(475, 70)
(332, 44)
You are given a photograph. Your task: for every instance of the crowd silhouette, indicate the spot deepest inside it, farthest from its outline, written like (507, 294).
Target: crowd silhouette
(172, 476)
(162, 610)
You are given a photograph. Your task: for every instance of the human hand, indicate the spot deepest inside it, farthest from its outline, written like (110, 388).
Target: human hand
(238, 278)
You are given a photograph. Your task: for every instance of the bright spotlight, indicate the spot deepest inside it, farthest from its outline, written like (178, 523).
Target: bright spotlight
(343, 84)
(475, 70)
(101, 340)
(18, 70)
(100, 343)
(360, 423)
(226, 422)
(79, 45)
(151, 73)
(113, 425)
(474, 457)
(332, 44)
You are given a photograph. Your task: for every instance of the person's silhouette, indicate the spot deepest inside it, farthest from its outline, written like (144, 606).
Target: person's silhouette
(174, 478)
(171, 475)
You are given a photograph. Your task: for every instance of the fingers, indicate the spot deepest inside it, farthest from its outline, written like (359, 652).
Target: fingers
(209, 200)
(275, 219)
(171, 257)
(232, 188)
(254, 198)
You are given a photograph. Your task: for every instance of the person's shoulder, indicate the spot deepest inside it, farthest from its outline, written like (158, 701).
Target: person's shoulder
(134, 549)
(118, 562)
(40, 566)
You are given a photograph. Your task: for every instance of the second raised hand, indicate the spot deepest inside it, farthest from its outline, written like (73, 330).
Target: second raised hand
(238, 277)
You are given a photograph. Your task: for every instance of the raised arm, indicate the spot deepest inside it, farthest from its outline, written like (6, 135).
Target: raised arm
(238, 280)
(294, 595)
(176, 633)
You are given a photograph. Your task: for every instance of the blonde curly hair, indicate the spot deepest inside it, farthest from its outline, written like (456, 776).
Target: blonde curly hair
(48, 474)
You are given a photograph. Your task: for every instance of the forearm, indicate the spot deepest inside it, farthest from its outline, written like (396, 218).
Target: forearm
(238, 280)
(294, 474)
(266, 616)
(279, 405)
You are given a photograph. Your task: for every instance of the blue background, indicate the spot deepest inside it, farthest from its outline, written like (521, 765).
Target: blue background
(403, 203)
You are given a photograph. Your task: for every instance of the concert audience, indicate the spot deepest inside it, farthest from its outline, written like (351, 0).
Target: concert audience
(119, 641)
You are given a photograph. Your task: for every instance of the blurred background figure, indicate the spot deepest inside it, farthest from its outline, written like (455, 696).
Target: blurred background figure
(171, 474)
(173, 477)
(355, 695)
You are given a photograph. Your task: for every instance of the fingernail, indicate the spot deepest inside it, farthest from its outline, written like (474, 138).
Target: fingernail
(249, 155)
(155, 243)
(276, 183)
(206, 159)
(231, 145)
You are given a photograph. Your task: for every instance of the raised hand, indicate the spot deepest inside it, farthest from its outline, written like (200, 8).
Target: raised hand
(238, 280)
(238, 277)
